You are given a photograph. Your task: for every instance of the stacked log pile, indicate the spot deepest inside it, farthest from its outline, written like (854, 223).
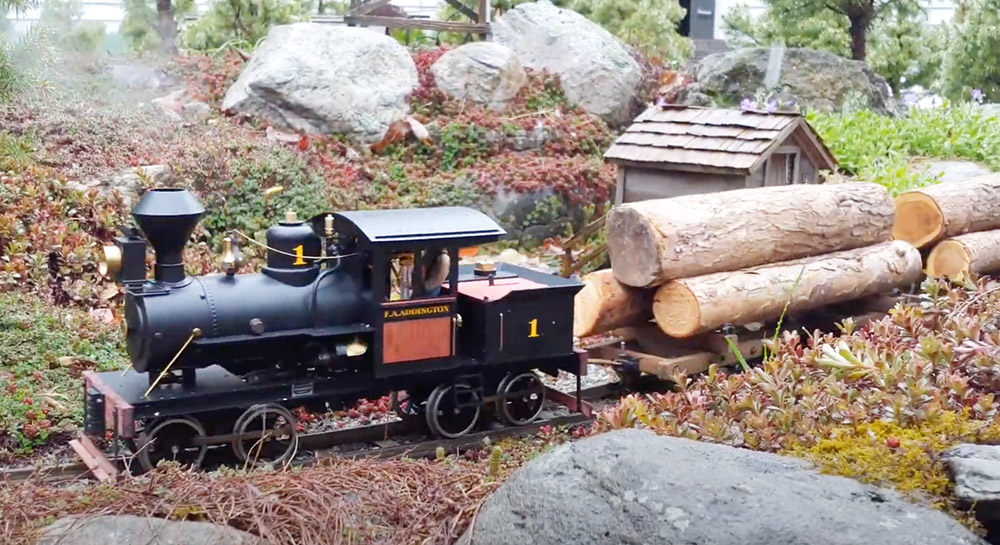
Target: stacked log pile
(698, 262)
(958, 222)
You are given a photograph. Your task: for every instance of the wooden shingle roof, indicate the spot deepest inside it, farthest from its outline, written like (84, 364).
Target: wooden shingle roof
(712, 139)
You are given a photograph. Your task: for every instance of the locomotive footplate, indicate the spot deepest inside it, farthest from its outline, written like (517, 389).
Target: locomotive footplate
(121, 396)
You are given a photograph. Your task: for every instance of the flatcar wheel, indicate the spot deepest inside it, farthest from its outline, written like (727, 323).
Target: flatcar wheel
(520, 398)
(447, 420)
(273, 438)
(171, 439)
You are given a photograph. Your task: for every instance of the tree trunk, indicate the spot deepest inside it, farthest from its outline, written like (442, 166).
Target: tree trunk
(686, 307)
(928, 215)
(604, 305)
(966, 256)
(167, 27)
(651, 242)
(860, 21)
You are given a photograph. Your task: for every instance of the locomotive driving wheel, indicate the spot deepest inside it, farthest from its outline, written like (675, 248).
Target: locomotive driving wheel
(520, 398)
(266, 434)
(445, 417)
(171, 439)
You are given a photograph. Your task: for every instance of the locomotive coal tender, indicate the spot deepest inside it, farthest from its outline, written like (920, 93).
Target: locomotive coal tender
(349, 306)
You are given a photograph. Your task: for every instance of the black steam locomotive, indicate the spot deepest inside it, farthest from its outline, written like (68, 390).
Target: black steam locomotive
(346, 308)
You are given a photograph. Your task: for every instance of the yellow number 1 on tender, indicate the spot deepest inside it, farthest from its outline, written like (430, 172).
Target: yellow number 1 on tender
(534, 328)
(298, 256)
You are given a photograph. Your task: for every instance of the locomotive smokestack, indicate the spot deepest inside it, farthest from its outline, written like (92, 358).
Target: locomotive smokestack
(167, 217)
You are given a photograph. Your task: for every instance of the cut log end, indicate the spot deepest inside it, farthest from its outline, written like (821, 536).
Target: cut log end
(586, 309)
(677, 310)
(919, 219)
(604, 304)
(950, 259)
(634, 251)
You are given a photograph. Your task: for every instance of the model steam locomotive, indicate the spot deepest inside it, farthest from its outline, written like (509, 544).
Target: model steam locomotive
(342, 311)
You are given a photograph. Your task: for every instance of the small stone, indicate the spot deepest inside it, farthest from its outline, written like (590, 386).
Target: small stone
(133, 530)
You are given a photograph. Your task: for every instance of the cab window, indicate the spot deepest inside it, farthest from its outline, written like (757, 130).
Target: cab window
(419, 274)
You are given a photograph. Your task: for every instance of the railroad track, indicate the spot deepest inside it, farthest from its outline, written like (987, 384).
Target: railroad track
(385, 440)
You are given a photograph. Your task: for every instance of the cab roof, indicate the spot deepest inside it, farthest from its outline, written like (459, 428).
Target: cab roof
(406, 227)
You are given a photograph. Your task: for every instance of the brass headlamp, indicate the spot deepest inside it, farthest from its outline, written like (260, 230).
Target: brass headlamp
(111, 261)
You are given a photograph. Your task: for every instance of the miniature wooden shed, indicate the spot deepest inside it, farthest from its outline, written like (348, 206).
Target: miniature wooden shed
(675, 150)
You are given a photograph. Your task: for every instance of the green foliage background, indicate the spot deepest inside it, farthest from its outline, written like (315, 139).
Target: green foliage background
(902, 46)
(972, 57)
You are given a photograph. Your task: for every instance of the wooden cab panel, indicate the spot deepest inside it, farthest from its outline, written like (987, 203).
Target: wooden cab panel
(413, 340)
(417, 329)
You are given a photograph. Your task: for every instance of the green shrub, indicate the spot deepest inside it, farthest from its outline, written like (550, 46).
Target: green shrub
(63, 18)
(243, 22)
(971, 59)
(43, 351)
(23, 62)
(878, 148)
(901, 46)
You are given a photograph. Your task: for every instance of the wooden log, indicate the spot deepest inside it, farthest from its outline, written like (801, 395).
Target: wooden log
(928, 215)
(689, 306)
(651, 242)
(965, 256)
(604, 304)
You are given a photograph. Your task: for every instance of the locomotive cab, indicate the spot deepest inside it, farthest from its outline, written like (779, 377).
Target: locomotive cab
(412, 258)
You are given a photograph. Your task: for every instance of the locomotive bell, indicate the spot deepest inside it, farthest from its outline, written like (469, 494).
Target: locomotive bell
(167, 218)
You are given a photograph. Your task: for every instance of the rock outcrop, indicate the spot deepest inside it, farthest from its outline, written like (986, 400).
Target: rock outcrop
(632, 486)
(808, 77)
(481, 72)
(132, 530)
(975, 469)
(953, 170)
(595, 69)
(324, 79)
(128, 182)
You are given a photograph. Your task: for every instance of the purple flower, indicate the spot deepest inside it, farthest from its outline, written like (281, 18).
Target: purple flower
(748, 104)
(772, 106)
(977, 96)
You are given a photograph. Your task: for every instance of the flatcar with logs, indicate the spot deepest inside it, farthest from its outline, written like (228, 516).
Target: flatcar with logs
(346, 308)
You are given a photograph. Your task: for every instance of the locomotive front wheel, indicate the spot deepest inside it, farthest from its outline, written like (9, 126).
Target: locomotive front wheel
(445, 418)
(171, 439)
(266, 434)
(520, 398)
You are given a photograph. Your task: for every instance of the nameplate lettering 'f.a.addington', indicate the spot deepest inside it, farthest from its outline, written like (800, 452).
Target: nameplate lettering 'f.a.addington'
(416, 312)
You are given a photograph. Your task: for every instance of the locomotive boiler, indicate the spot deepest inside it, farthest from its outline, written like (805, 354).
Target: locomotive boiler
(349, 305)
(291, 315)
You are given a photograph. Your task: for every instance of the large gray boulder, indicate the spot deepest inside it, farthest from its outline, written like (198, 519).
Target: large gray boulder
(975, 469)
(808, 77)
(632, 486)
(482, 72)
(132, 530)
(325, 79)
(595, 68)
